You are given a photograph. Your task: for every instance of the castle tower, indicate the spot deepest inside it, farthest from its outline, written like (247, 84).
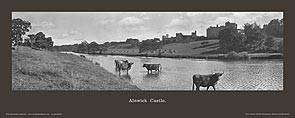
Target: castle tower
(194, 34)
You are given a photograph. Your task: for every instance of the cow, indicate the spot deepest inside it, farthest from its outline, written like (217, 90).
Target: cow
(206, 80)
(151, 67)
(123, 65)
(119, 62)
(82, 56)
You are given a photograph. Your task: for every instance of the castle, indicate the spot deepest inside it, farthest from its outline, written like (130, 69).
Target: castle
(213, 32)
(180, 37)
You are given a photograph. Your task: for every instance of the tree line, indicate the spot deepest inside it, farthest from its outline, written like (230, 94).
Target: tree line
(253, 38)
(93, 47)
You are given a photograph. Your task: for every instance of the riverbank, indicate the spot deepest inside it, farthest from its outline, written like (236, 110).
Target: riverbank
(200, 56)
(45, 70)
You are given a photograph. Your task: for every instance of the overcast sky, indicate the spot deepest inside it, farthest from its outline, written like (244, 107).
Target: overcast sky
(74, 27)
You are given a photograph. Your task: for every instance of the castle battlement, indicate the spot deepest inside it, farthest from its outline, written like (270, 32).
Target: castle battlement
(180, 36)
(213, 32)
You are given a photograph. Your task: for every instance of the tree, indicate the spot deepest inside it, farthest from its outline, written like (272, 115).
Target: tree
(19, 28)
(254, 36)
(149, 45)
(269, 43)
(102, 49)
(39, 41)
(132, 41)
(93, 47)
(83, 47)
(274, 28)
(231, 40)
(281, 46)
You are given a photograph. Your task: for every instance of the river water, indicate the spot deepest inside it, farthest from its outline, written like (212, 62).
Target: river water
(176, 74)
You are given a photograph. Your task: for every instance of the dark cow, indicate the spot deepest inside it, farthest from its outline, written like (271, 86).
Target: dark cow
(82, 56)
(206, 80)
(151, 67)
(123, 65)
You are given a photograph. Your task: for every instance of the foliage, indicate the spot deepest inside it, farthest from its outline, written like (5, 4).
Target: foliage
(19, 28)
(269, 44)
(134, 42)
(83, 47)
(237, 56)
(65, 48)
(281, 47)
(254, 36)
(39, 41)
(150, 44)
(231, 40)
(93, 46)
(274, 28)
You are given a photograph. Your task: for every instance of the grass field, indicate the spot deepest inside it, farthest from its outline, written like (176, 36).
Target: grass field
(193, 48)
(45, 70)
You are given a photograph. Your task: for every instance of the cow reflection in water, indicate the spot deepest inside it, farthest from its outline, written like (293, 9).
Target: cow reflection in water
(152, 76)
(125, 77)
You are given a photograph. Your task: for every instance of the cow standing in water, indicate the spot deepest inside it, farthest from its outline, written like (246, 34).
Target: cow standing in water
(151, 67)
(206, 80)
(123, 65)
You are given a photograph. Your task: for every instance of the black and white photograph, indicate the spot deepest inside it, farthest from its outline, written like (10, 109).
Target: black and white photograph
(147, 51)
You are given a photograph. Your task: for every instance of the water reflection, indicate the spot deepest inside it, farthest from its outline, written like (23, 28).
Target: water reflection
(145, 59)
(152, 76)
(125, 77)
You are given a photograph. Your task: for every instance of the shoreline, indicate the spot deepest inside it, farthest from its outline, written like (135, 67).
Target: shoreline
(258, 56)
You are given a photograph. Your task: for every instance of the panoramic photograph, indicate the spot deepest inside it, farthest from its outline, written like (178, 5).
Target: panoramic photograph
(147, 51)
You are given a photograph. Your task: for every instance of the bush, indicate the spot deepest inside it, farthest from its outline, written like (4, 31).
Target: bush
(237, 56)
(280, 47)
(232, 55)
(244, 55)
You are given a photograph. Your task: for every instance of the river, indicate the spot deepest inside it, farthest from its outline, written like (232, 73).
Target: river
(176, 74)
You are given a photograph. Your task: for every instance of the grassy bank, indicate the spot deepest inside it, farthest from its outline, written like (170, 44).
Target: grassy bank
(45, 70)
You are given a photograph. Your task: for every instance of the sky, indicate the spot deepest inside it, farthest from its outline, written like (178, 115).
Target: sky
(74, 27)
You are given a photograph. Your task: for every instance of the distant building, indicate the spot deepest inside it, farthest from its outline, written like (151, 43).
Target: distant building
(213, 32)
(181, 37)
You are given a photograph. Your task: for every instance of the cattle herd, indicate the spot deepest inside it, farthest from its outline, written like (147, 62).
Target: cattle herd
(198, 80)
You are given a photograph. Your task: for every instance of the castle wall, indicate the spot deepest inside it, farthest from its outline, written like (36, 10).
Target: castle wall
(180, 36)
(214, 32)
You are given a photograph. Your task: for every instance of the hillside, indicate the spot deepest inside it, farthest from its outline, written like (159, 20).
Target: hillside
(193, 48)
(45, 70)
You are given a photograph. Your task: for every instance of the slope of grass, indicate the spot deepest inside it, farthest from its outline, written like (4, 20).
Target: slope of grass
(45, 70)
(193, 48)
